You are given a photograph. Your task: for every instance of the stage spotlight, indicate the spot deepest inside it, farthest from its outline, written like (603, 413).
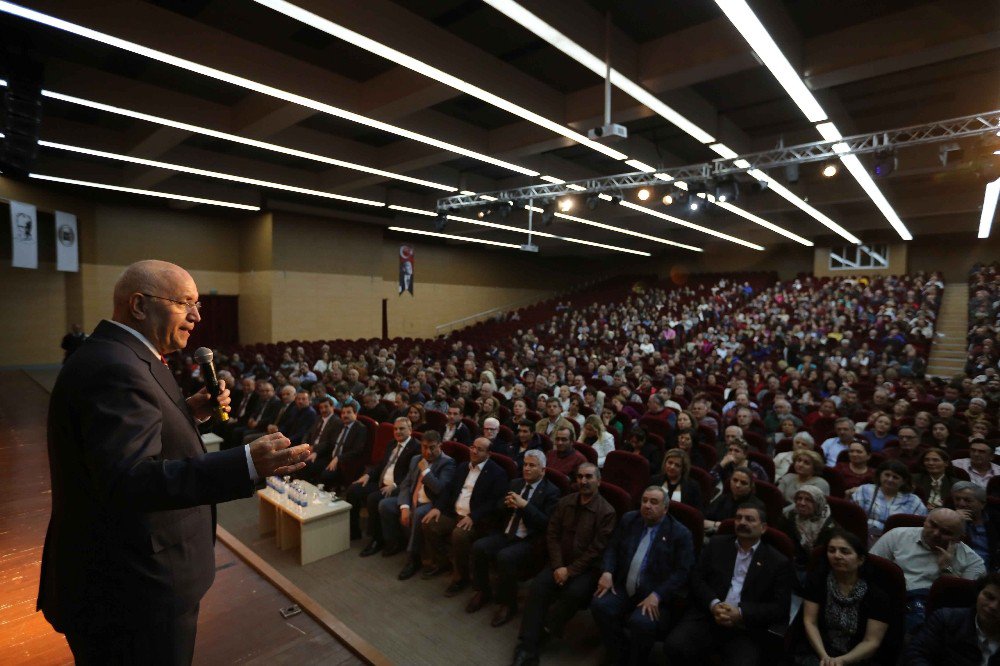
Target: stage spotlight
(505, 209)
(565, 204)
(667, 200)
(592, 202)
(727, 190)
(548, 214)
(695, 204)
(830, 170)
(441, 221)
(643, 194)
(792, 173)
(884, 163)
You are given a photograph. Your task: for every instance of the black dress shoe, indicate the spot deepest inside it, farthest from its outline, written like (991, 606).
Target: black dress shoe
(502, 616)
(371, 549)
(392, 550)
(456, 587)
(478, 600)
(409, 571)
(434, 570)
(524, 658)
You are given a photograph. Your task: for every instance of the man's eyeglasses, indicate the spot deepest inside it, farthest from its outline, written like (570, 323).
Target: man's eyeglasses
(561, 439)
(190, 307)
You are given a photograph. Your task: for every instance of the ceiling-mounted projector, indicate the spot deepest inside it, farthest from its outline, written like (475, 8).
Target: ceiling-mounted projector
(609, 133)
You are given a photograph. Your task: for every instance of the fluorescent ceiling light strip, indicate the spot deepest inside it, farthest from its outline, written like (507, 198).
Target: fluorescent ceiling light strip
(437, 234)
(860, 173)
(989, 208)
(799, 203)
(746, 215)
(487, 197)
(724, 150)
(208, 174)
(533, 23)
(574, 186)
(746, 22)
(468, 193)
(264, 89)
(629, 232)
(415, 211)
(243, 140)
(641, 166)
(399, 58)
(553, 180)
(544, 234)
(148, 193)
(689, 225)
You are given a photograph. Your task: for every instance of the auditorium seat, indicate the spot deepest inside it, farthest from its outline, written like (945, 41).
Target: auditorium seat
(456, 450)
(588, 452)
(507, 463)
(764, 460)
(629, 471)
(691, 518)
(903, 520)
(617, 497)
(951, 592)
(383, 439)
(849, 516)
(436, 420)
(706, 483)
(559, 480)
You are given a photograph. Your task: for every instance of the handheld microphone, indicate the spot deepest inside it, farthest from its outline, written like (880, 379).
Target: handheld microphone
(204, 357)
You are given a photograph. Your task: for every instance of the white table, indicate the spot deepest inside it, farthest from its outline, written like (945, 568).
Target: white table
(318, 530)
(211, 441)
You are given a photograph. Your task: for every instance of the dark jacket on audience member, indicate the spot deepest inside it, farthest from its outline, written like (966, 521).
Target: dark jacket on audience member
(668, 561)
(579, 532)
(353, 447)
(766, 591)
(297, 423)
(501, 446)
(326, 433)
(947, 637)
(539, 510)
(410, 448)
(489, 489)
(378, 413)
(442, 470)
(461, 434)
(690, 490)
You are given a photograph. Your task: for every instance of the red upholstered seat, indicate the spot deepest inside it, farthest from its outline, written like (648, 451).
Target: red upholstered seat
(588, 452)
(951, 592)
(903, 520)
(850, 516)
(617, 497)
(559, 480)
(456, 450)
(692, 519)
(507, 463)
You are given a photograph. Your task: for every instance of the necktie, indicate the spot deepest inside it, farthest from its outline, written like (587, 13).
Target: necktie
(635, 568)
(340, 441)
(515, 520)
(281, 412)
(244, 404)
(319, 431)
(163, 360)
(417, 488)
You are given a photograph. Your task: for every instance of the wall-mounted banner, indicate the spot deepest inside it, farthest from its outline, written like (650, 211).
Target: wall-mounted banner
(405, 269)
(24, 234)
(67, 243)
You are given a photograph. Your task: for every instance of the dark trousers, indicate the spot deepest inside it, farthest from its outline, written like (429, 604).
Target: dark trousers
(446, 542)
(614, 613)
(510, 554)
(167, 642)
(361, 496)
(551, 605)
(697, 635)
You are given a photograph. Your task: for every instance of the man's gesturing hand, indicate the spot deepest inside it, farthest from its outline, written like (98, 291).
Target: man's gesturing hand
(274, 455)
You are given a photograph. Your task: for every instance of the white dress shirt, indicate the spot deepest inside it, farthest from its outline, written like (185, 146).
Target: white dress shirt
(465, 495)
(740, 571)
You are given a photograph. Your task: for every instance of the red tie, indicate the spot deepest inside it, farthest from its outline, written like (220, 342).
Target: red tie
(163, 360)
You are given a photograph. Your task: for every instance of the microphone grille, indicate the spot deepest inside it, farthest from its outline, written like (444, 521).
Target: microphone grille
(203, 355)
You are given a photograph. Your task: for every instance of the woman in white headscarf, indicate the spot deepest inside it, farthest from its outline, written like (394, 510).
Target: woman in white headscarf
(808, 523)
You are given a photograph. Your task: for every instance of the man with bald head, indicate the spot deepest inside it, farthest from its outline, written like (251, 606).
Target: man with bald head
(925, 553)
(130, 545)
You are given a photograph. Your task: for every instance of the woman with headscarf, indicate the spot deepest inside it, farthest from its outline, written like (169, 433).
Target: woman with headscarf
(808, 523)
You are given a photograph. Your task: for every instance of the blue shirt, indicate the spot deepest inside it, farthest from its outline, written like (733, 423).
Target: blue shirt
(979, 541)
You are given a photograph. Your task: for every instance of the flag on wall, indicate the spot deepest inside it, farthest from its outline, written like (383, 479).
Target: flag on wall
(67, 243)
(24, 235)
(405, 269)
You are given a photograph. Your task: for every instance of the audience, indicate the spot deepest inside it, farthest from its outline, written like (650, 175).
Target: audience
(888, 495)
(676, 481)
(808, 522)
(856, 471)
(961, 636)
(565, 458)
(806, 469)
(979, 465)
(933, 482)
(382, 481)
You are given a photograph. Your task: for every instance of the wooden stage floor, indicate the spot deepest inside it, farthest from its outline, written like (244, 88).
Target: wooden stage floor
(239, 621)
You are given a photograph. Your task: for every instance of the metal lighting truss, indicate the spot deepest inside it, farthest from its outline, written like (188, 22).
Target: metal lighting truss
(861, 144)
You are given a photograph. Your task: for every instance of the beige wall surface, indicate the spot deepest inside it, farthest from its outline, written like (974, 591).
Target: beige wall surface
(897, 263)
(788, 260)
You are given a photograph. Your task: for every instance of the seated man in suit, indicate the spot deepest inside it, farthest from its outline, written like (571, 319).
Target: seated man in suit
(491, 431)
(462, 514)
(244, 405)
(456, 431)
(739, 588)
(961, 636)
(271, 421)
(379, 482)
(320, 437)
(577, 534)
(428, 477)
(527, 507)
(527, 440)
(263, 413)
(645, 566)
(372, 408)
(296, 423)
(344, 448)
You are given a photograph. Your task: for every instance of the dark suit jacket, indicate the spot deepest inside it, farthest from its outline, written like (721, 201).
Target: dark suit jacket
(130, 539)
(502, 446)
(251, 409)
(268, 413)
(353, 446)
(410, 449)
(690, 490)
(766, 591)
(462, 434)
(668, 562)
(326, 433)
(947, 637)
(378, 413)
(490, 488)
(297, 423)
(435, 482)
(540, 507)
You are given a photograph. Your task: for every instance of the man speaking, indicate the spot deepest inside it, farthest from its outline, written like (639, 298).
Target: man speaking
(129, 551)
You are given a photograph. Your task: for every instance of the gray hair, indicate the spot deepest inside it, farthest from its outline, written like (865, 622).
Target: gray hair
(537, 454)
(977, 491)
(661, 490)
(805, 437)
